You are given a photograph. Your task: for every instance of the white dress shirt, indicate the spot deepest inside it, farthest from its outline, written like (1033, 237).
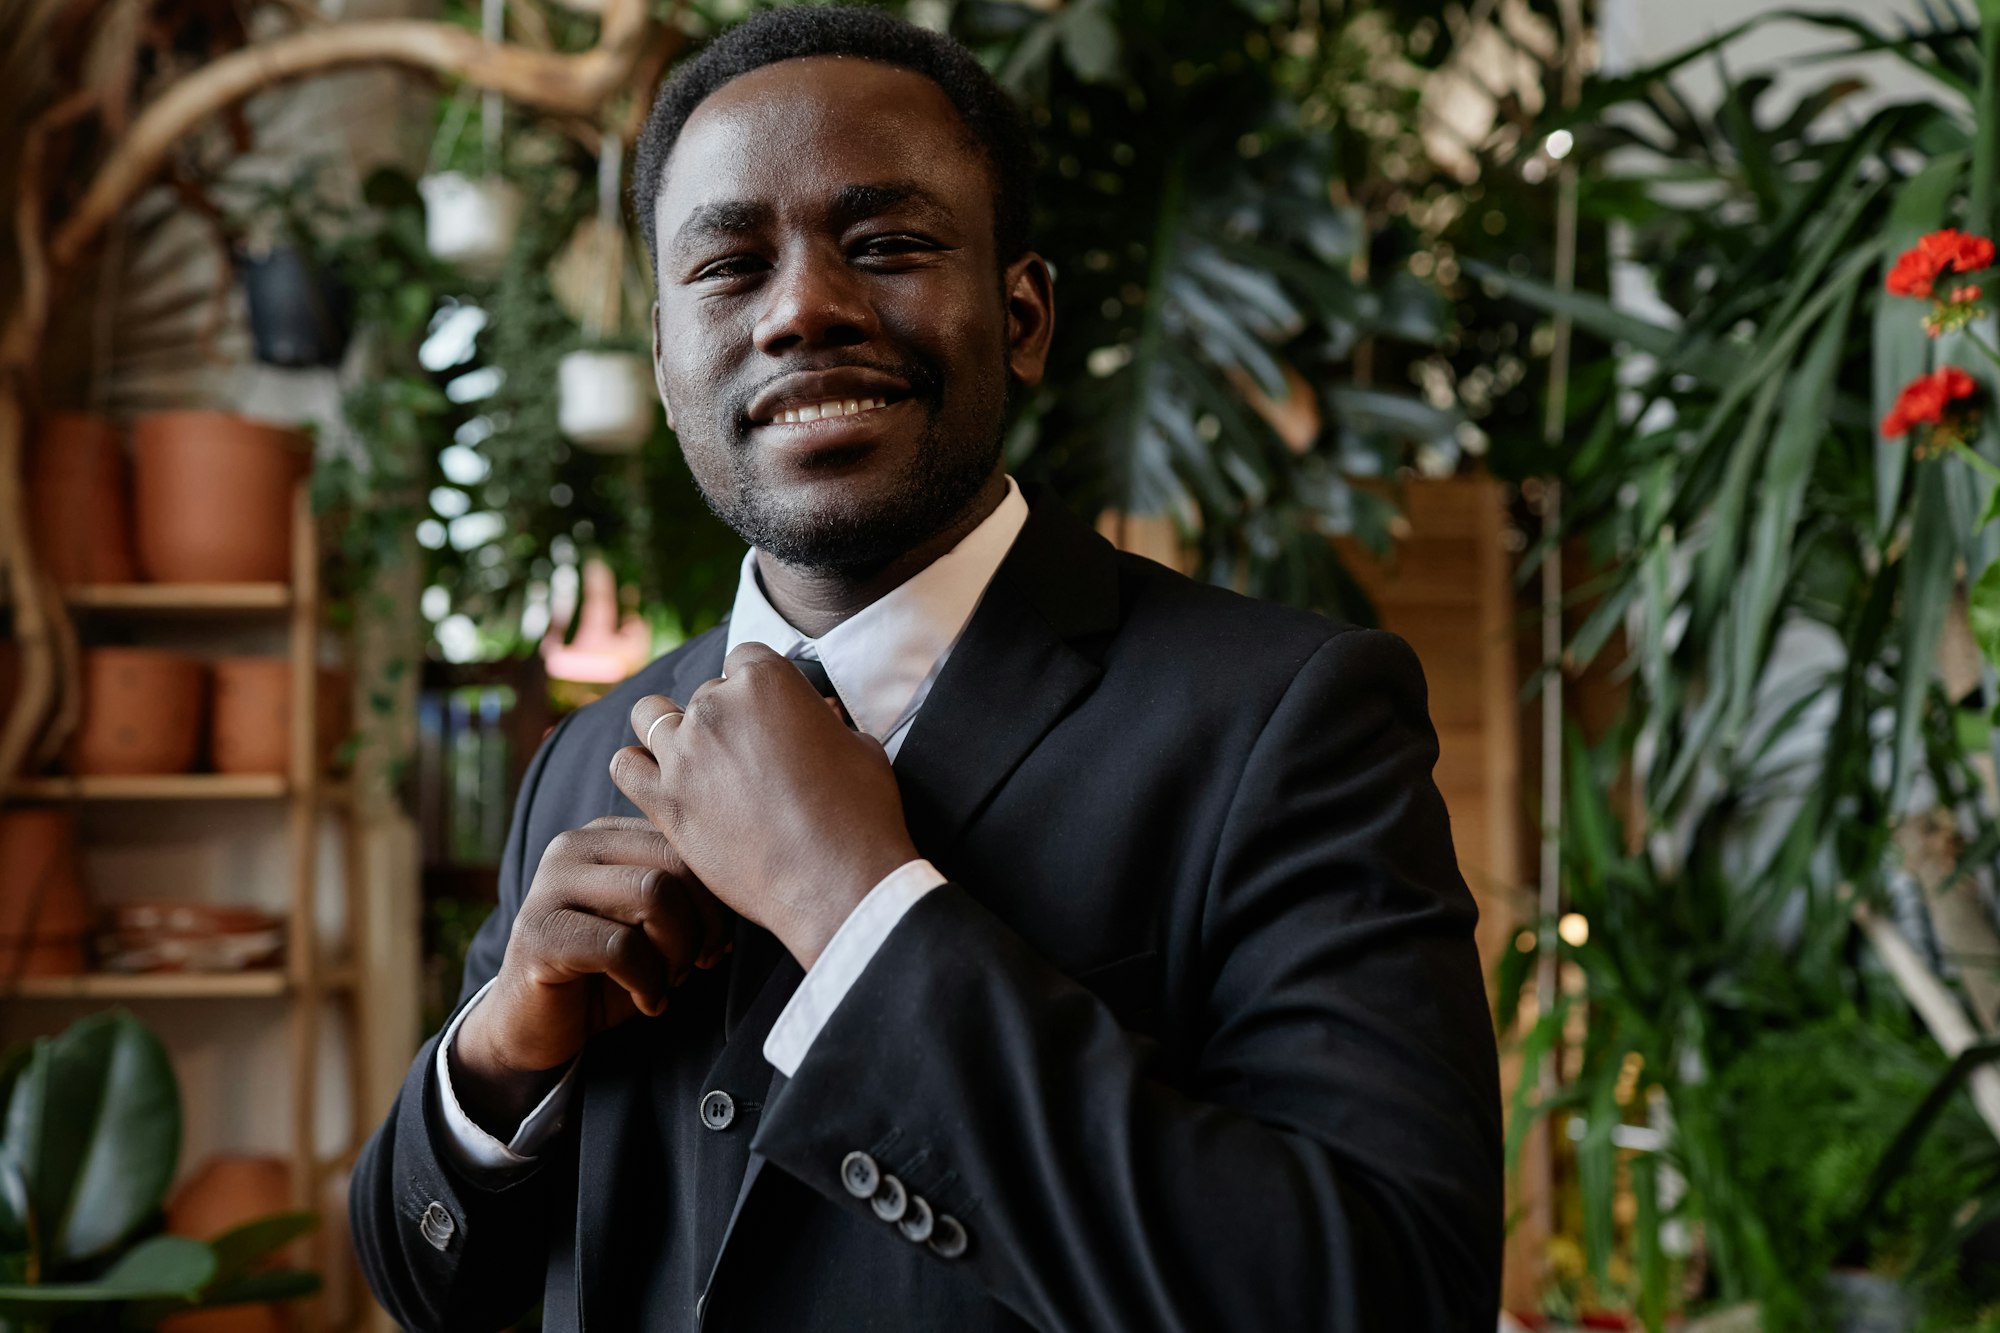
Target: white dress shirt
(882, 662)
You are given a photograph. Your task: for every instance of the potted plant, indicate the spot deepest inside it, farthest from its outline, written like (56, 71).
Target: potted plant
(606, 399)
(92, 1138)
(470, 223)
(287, 254)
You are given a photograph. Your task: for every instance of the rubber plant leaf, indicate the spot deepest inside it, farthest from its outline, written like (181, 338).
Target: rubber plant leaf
(95, 1126)
(162, 1268)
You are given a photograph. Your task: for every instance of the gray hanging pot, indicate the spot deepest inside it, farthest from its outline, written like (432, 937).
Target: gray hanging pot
(300, 315)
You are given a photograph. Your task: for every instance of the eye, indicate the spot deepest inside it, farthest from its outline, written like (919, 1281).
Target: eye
(735, 266)
(899, 243)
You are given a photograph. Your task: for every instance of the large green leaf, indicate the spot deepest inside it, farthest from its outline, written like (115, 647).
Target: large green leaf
(159, 1268)
(95, 1125)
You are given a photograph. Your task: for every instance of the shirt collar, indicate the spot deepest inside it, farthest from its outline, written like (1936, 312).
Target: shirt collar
(882, 658)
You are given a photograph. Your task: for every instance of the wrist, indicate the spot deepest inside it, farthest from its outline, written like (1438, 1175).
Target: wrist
(495, 1095)
(840, 890)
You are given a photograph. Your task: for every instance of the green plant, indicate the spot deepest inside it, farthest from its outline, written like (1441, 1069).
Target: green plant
(1781, 575)
(91, 1139)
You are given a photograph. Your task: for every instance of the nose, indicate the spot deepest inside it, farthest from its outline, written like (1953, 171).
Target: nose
(813, 299)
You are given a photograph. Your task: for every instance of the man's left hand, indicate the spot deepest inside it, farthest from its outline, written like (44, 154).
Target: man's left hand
(780, 810)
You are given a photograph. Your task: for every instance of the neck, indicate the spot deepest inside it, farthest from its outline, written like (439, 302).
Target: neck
(813, 601)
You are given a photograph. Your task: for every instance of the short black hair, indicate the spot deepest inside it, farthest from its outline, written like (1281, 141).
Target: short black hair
(992, 119)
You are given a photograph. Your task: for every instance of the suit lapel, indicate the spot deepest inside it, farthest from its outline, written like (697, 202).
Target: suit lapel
(1023, 661)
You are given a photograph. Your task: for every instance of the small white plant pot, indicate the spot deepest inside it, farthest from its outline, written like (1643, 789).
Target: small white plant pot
(470, 223)
(605, 400)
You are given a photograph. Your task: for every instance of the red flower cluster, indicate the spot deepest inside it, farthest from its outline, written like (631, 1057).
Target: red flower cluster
(1925, 400)
(1917, 269)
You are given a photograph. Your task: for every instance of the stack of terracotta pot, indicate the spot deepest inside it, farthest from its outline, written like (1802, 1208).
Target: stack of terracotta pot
(44, 916)
(205, 497)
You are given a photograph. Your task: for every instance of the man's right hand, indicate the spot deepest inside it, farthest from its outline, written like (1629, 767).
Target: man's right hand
(612, 923)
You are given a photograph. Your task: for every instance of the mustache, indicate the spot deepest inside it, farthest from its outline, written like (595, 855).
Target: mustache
(925, 378)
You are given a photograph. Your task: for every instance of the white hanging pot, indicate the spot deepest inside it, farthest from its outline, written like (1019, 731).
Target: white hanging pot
(470, 223)
(605, 400)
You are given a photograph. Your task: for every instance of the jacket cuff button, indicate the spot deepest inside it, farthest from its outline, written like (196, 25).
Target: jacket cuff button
(437, 1225)
(947, 1237)
(918, 1221)
(859, 1174)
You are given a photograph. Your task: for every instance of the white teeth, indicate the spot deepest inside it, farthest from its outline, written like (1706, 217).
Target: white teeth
(833, 407)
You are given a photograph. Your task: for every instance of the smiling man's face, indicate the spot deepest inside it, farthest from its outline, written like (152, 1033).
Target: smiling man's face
(835, 334)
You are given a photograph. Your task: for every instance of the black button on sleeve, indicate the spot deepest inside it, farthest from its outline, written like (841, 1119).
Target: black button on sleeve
(917, 1223)
(859, 1174)
(891, 1200)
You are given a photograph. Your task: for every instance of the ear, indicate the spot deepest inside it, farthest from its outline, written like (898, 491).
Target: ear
(1029, 292)
(659, 377)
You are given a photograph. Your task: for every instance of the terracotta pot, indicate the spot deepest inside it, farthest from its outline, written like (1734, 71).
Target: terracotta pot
(44, 918)
(214, 497)
(227, 1192)
(142, 712)
(79, 500)
(175, 936)
(252, 729)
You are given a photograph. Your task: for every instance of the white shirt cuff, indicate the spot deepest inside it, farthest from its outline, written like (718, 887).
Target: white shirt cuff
(849, 951)
(472, 1148)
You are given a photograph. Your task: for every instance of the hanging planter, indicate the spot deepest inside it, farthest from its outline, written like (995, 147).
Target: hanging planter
(605, 399)
(470, 223)
(300, 314)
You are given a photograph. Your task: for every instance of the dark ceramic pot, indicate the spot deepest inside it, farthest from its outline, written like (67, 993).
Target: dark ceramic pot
(299, 315)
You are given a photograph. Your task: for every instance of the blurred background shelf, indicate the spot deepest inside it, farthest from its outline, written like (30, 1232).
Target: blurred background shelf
(179, 598)
(170, 787)
(250, 984)
(163, 787)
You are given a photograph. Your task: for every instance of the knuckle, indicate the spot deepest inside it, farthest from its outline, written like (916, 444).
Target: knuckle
(563, 847)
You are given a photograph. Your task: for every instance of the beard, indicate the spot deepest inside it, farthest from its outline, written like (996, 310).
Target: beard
(930, 492)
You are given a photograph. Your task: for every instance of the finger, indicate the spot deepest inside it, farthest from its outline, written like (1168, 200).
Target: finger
(636, 772)
(653, 720)
(631, 822)
(639, 844)
(577, 944)
(747, 654)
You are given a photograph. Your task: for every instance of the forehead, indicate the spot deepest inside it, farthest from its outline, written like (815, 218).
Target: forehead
(801, 129)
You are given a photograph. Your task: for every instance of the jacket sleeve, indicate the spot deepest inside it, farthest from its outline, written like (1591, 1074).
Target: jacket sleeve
(444, 1249)
(1330, 1160)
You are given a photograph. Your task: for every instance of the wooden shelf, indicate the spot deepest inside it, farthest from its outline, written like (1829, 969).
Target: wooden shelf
(162, 787)
(179, 597)
(151, 986)
(256, 983)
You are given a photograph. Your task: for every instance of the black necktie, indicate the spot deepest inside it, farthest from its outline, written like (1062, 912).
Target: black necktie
(814, 671)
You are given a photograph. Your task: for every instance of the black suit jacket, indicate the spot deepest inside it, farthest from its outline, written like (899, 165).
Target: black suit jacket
(1195, 1038)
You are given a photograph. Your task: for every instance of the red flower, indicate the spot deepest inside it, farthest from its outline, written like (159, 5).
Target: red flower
(1917, 269)
(1924, 400)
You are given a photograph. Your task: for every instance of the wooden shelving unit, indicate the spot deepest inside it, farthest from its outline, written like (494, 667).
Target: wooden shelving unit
(309, 979)
(179, 598)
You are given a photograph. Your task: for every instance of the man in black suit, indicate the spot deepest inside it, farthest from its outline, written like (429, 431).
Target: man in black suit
(983, 929)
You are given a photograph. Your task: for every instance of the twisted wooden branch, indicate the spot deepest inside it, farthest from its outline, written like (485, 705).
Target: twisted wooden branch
(564, 84)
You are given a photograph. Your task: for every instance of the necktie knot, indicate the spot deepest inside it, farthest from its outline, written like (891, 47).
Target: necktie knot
(814, 671)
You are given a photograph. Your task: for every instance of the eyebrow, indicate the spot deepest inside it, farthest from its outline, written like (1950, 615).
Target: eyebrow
(850, 204)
